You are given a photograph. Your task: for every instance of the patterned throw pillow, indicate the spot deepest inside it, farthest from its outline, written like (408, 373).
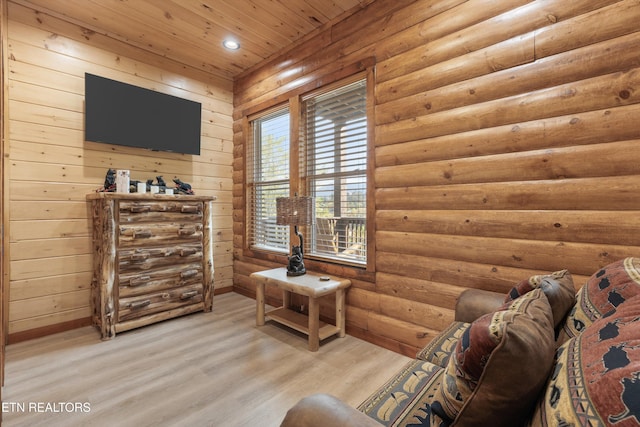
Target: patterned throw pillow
(596, 378)
(604, 291)
(500, 365)
(557, 286)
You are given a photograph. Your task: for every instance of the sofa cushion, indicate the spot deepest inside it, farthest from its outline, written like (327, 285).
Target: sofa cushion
(440, 348)
(406, 398)
(601, 294)
(557, 286)
(596, 378)
(500, 365)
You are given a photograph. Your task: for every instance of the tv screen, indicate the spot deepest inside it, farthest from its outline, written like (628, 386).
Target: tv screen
(123, 114)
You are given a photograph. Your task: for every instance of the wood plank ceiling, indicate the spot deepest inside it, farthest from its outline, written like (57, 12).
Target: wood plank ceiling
(191, 31)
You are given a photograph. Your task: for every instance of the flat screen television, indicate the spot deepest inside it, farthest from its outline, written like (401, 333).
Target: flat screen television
(123, 114)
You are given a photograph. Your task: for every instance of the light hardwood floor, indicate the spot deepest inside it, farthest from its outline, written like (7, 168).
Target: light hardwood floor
(206, 369)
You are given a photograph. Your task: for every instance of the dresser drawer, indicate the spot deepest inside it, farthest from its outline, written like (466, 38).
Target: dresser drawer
(144, 259)
(146, 234)
(142, 305)
(154, 211)
(137, 283)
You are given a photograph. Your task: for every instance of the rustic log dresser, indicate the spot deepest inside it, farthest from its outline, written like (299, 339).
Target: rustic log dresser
(152, 259)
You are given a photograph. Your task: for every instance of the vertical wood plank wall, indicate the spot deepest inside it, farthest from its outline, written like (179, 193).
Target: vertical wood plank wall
(506, 144)
(4, 302)
(52, 168)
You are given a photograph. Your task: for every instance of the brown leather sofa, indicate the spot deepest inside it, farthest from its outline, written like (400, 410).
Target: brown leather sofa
(542, 355)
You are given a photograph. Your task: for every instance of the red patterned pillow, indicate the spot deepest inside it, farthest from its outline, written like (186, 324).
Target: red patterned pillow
(499, 366)
(602, 294)
(596, 378)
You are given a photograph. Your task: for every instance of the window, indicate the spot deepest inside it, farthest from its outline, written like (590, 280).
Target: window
(330, 161)
(268, 178)
(335, 138)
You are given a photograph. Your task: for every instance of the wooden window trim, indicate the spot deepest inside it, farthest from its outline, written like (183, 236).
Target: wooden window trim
(292, 98)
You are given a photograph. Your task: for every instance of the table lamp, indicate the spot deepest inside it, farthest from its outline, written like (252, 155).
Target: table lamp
(295, 211)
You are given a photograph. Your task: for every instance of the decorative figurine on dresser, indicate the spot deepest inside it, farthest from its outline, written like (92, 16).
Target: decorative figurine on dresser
(109, 181)
(152, 258)
(183, 187)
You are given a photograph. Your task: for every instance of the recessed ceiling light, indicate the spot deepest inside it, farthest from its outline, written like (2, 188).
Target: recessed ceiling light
(231, 44)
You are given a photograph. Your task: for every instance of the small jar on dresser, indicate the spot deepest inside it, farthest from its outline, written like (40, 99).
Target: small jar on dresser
(152, 259)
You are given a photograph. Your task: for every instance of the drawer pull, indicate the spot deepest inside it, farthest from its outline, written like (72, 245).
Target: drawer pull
(187, 231)
(142, 234)
(137, 281)
(190, 209)
(140, 208)
(187, 252)
(188, 273)
(140, 256)
(189, 294)
(139, 304)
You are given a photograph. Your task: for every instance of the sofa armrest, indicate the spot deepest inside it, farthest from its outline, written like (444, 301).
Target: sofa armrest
(473, 303)
(322, 410)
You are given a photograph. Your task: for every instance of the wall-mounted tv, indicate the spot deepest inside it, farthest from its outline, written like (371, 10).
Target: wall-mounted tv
(123, 114)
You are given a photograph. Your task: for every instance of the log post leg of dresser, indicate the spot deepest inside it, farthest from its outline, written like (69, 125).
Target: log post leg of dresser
(108, 264)
(259, 304)
(207, 256)
(340, 315)
(314, 324)
(108, 330)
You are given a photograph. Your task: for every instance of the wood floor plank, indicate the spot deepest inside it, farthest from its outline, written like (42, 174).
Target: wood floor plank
(206, 369)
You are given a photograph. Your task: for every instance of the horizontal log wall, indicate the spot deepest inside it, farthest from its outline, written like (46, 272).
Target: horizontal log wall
(52, 168)
(505, 145)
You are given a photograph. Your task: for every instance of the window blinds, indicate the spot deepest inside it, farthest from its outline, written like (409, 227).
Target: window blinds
(267, 179)
(335, 133)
